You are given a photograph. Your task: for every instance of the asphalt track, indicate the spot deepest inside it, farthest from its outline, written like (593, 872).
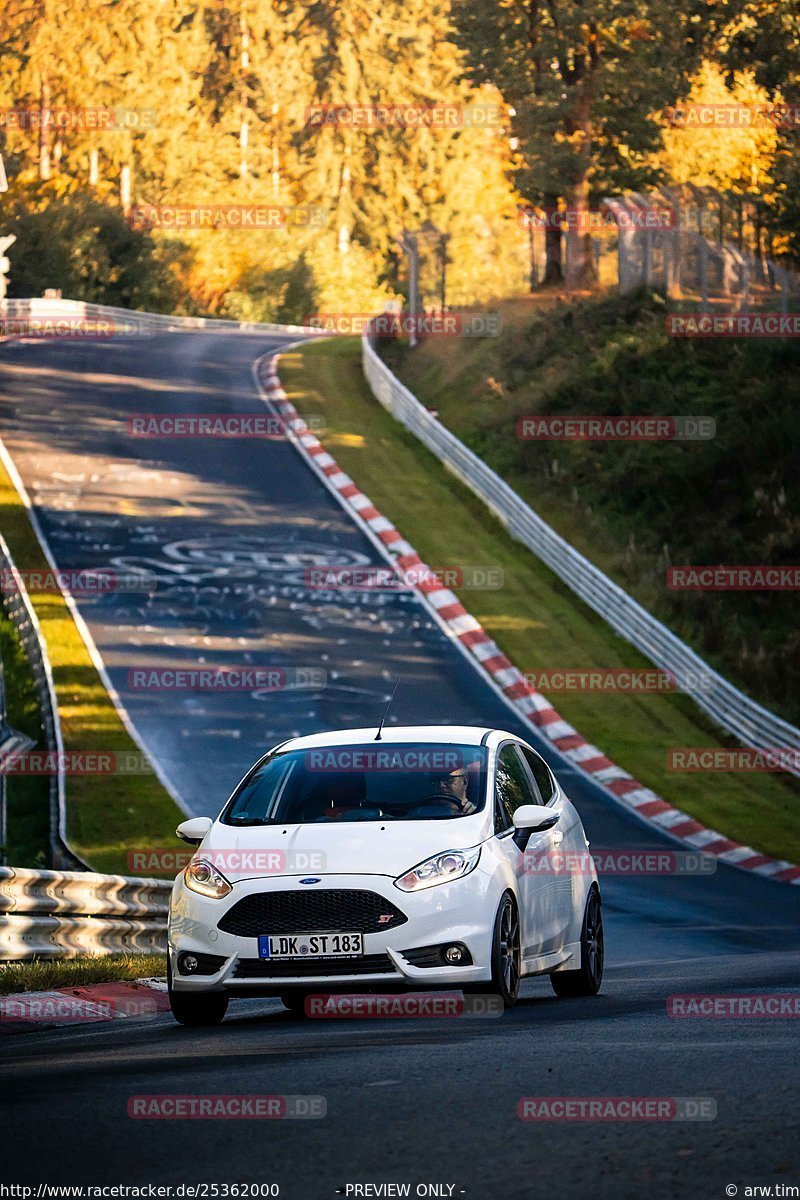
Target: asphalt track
(226, 531)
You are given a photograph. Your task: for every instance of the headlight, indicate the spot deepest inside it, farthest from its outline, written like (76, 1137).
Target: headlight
(452, 864)
(200, 876)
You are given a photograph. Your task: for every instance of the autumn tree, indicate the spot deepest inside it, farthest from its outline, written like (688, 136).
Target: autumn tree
(736, 159)
(583, 79)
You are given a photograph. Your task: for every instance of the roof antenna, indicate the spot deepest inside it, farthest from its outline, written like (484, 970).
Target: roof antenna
(378, 737)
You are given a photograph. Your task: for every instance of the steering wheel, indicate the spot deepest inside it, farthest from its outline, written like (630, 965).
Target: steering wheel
(437, 805)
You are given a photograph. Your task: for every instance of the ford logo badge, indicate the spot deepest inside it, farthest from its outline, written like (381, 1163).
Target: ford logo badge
(312, 880)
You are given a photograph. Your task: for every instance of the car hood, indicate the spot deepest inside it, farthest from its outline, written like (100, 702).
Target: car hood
(356, 848)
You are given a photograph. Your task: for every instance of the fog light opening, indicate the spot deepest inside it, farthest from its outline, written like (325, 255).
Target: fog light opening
(454, 955)
(187, 964)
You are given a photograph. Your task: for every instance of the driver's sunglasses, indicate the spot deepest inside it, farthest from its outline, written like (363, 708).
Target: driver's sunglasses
(455, 775)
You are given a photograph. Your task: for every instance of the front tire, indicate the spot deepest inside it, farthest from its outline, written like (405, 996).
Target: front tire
(506, 954)
(195, 1009)
(587, 979)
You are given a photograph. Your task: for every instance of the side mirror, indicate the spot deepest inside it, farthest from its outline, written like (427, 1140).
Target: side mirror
(534, 818)
(194, 830)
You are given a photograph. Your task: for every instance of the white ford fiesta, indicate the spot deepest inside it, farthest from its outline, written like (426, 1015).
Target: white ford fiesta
(440, 857)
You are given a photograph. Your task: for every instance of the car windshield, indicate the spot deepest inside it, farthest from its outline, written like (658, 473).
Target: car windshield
(373, 782)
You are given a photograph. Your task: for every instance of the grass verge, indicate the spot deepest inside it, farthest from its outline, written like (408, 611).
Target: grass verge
(636, 508)
(534, 617)
(28, 797)
(43, 975)
(108, 815)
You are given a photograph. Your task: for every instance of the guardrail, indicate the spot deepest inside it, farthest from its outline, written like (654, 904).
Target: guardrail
(127, 320)
(58, 914)
(18, 605)
(12, 742)
(735, 712)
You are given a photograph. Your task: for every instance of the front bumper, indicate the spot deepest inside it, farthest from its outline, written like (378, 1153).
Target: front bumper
(462, 911)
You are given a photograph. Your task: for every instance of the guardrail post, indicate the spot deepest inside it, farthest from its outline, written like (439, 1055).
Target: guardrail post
(703, 269)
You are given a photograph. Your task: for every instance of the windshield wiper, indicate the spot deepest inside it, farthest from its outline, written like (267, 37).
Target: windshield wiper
(246, 821)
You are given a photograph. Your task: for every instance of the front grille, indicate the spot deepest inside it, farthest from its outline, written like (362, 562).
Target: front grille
(265, 968)
(337, 910)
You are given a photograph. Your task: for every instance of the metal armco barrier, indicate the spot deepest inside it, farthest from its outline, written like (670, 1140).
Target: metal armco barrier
(732, 710)
(129, 321)
(59, 914)
(12, 742)
(18, 605)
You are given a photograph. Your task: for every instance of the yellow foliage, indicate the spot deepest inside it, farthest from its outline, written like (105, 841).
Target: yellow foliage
(721, 136)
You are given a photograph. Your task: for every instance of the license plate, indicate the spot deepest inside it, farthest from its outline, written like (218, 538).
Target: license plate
(311, 945)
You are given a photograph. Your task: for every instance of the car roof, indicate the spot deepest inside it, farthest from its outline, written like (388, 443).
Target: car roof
(465, 735)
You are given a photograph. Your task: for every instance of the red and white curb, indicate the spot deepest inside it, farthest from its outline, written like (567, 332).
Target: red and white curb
(26, 1012)
(532, 705)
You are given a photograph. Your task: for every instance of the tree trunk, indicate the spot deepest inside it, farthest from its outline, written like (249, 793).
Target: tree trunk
(553, 261)
(44, 130)
(244, 124)
(276, 154)
(580, 259)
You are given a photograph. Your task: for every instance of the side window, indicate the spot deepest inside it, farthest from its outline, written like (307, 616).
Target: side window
(512, 788)
(541, 775)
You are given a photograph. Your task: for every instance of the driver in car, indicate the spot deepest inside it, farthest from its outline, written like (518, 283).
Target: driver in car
(453, 787)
